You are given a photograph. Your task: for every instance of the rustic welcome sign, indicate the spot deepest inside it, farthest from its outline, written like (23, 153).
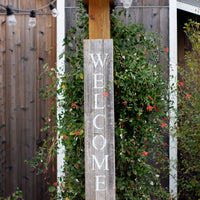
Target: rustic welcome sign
(99, 120)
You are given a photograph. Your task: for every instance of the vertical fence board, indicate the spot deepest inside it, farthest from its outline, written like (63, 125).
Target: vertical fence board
(23, 108)
(17, 53)
(42, 107)
(164, 30)
(10, 108)
(156, 17)
(2, 105)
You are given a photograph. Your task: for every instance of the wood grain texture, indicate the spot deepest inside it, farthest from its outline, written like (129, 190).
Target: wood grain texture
(2, 105)
(86, 2)
(23, 52)
(99, 120)
(99, 19)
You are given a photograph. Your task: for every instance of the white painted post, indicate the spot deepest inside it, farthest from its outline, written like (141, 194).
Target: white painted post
(61, 71)
(99, 120)
(173, 96)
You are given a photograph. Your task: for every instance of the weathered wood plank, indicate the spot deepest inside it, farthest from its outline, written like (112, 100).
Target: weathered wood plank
(41, 111)
(87, 1)
(147, 14)
(2, 106)
(29, 100)
(164, 2)
(70, 18)
(22, 85)
(156, 17)
(70, 3)
(99, 120)
(164, 31)
(17, 51)
(10, 109)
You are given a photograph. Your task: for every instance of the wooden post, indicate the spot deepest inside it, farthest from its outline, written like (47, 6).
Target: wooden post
(99, 120)
(99, 18)
(99, 104)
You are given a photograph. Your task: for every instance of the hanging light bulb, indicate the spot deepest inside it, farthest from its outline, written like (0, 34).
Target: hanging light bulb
(54, 11)
(32, 19)
(11, 17)
(126, 3)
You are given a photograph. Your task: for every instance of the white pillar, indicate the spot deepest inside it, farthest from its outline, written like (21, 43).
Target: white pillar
(173, 95)
(61, 71)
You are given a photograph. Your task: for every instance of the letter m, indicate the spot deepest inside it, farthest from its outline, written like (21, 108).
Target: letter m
(98, 164)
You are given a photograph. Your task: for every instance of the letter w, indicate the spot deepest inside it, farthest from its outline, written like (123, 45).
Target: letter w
(99, 165)
(99, 60)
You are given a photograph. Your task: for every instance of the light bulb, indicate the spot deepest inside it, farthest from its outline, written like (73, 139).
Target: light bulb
(126, 3)
(11, 17)
(32, 19)
(54, 11)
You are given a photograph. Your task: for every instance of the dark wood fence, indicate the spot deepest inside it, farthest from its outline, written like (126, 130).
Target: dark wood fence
(23, 52)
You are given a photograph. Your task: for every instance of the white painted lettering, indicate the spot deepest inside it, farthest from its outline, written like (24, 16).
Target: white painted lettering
(95, 121)
(98, 81)
(99, 60)
(100, 165)
(99, 142)
(96, 102)
(100, 184)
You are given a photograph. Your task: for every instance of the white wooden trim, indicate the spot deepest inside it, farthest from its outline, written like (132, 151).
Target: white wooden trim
(188, 8)
(61, 71)
(173, 95)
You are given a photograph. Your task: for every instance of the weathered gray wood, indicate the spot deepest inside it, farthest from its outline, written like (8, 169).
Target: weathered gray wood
(2, 105)
(99, 120)
(71, 3)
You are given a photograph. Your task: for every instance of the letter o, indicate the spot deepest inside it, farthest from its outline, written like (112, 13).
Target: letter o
(94, 143)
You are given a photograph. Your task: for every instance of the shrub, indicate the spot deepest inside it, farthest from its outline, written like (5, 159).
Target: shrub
(189, 118)
(140, 112)
(17, 195)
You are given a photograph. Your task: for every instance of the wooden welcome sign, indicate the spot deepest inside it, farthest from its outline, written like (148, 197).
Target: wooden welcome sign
(99, 120)
(99, 105)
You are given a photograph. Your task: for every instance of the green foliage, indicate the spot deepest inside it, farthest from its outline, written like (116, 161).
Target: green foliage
(15, 195)
(140, 112)
(189, 118)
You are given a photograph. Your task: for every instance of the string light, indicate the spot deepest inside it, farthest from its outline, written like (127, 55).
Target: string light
(11, 20)
(10, 17)
(32, 19)
(54, 11)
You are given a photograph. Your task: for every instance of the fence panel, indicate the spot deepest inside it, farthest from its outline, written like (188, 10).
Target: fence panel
(23, 52)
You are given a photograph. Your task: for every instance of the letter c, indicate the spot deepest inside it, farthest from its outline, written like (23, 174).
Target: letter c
(94, 121)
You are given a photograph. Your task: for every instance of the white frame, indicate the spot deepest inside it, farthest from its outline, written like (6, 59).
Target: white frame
(173, 54)
(61, 70)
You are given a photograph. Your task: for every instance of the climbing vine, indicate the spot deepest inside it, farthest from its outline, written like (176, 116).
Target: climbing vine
(141, 107)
